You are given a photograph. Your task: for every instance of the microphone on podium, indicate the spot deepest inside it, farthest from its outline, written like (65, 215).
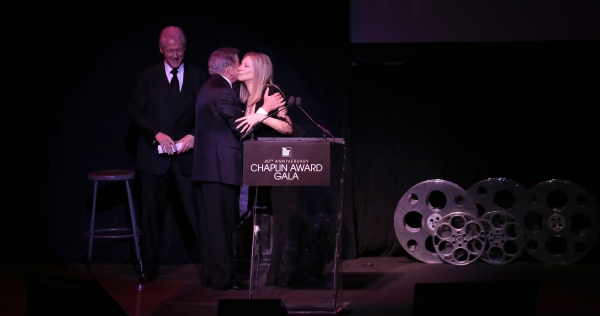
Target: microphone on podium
(299, 105)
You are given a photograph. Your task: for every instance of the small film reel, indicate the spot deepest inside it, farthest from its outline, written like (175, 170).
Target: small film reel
(492, 194)
(505, 239)
(459, 238)
(420, 210)
(560, 221)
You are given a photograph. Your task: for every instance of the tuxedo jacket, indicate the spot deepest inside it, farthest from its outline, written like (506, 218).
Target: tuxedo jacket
(155, 108)
(217, 148)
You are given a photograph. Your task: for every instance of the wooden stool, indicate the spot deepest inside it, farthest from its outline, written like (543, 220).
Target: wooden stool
(114, 232)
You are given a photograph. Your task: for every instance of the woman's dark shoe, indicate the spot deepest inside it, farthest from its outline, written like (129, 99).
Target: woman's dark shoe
(148, 275)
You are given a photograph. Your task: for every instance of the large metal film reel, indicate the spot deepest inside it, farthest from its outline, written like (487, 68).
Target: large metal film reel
(495, 193)
(505, 239)
(560, 221)
(420, 209)
(459, 238)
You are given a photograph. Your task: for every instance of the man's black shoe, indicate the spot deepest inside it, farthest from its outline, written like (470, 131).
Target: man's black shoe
(205, 283)
(238, 287)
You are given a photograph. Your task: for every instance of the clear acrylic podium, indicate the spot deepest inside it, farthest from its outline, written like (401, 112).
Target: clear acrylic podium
(315, 168)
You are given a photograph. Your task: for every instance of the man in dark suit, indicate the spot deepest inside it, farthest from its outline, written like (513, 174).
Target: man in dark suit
(217, 173)
(162, 109)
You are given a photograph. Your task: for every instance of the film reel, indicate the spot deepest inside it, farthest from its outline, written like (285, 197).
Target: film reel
(505, 239)
(560, 221)
(419, 211)
(459, 238)
(493, 194)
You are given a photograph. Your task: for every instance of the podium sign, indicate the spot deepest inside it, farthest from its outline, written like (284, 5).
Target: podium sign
(286, 163)
(305, 228)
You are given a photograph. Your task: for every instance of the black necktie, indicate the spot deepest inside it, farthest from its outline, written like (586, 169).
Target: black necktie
(175, 81)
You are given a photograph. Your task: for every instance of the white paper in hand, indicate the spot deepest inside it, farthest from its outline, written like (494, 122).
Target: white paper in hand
(160, 150)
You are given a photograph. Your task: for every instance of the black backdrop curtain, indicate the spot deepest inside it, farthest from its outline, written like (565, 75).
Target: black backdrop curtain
(465, 112)
(461, 112)
(79, 65)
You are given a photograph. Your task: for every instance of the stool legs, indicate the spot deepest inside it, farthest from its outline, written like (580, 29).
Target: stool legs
(90, 243)
(134, 226)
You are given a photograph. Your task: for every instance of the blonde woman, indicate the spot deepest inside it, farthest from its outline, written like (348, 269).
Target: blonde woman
(290, 255)
(256, 75)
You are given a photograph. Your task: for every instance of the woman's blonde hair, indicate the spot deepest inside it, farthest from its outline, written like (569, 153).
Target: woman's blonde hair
(263, 76)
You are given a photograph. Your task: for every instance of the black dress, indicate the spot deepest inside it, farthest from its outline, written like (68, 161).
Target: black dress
(292, 260)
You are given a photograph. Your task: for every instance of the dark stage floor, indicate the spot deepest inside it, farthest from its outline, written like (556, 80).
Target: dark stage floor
(371, 286)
